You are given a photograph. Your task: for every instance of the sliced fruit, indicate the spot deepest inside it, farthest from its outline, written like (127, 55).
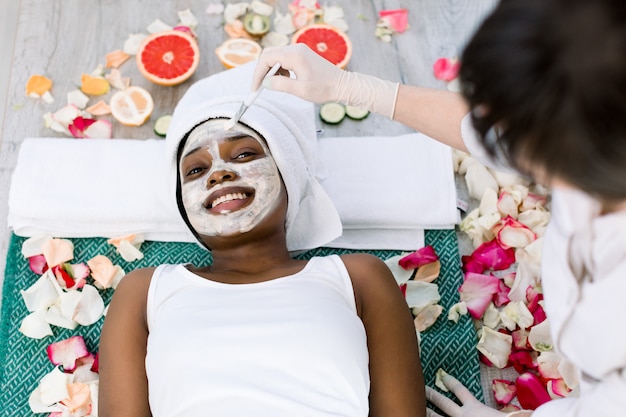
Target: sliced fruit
(356, 113)
(235, 52)
(328, 41)
(162, 124)
(256, 24)
(132, 106)
(94, 86)
(38, 85)
(169, 57)
(332, 113)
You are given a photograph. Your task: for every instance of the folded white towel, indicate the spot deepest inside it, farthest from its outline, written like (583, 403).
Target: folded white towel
(93, 188)
(386, 189)
(400, 182)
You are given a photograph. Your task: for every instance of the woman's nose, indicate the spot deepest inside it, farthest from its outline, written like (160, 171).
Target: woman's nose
(220, 176)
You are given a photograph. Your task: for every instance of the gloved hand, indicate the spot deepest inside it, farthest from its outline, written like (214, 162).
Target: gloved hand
(471, 406)
(317, 80)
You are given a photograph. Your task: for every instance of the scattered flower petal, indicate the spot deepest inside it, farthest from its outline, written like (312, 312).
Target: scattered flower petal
(41, 295)
(539, 337)
(34, 245)
(261, 8)
(35, 325)
(456, 311)
(38, 264)
(495, 346)
(427, 317)
(418, 258)
(477, 291)
(77, 98)
(478, 179)
(37, 85)
(503, 391)
(65, 352)
(530, 391)
(513, 234)
(131, 45)
(400, 274)
(428, 272)
(102, 270)
(78, 399)
(446, 69)
(101, 108)
(516, 314)
(158, 26)
(79, 125)
(187, 18)
(90, 307)
(419, 294)
(100, 129)
(53, 387)
(57, 251)
(115, 59)
(398, 19)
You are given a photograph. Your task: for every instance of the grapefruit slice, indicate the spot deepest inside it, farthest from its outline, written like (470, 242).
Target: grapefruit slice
(328, 41)
(132, 106)
(168, 57)
(238, 51)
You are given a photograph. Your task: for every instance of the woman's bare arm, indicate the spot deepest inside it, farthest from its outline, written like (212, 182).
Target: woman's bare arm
(397, 383)
(123, 388)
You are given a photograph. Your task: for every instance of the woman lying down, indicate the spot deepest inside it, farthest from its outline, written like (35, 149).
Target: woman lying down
(257, 332)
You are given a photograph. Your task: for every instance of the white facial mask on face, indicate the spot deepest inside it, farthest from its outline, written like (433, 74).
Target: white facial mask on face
(260, 177)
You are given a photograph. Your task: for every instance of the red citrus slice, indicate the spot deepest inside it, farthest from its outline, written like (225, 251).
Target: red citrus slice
(328, 41)
(169, 57)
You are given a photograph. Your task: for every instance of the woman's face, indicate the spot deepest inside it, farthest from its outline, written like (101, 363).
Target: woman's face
(229, 180)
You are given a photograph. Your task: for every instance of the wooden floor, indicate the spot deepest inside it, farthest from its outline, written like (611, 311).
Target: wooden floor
(63, 39)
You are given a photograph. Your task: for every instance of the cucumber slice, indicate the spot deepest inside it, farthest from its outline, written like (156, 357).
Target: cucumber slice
(356, 113)
(332, 113)
(162, 124)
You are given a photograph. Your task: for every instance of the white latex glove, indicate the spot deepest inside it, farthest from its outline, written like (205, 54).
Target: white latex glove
(317, 80)
(471, 406)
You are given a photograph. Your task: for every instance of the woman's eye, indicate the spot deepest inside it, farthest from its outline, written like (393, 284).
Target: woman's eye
(194, 171)
(244, 155)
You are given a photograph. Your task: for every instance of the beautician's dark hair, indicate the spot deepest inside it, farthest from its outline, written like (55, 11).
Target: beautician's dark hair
(549, 76)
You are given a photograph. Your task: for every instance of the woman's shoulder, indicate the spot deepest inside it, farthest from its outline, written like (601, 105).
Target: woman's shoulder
(134, 286)
(372, 280)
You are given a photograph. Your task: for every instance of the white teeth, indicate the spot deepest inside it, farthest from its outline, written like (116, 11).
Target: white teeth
(228, 197)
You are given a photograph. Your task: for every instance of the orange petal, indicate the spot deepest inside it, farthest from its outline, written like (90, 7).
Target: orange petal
(94, 86)
(80, 397)
(101, 108)
(116, 58)
(38, 84)
(57, 251)
(102, 270)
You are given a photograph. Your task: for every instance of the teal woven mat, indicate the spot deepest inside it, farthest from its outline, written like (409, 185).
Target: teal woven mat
(23, 361)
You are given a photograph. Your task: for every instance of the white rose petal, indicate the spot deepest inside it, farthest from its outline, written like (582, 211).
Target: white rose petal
(283, 23)
(427, 317)
(261, 8)
(129, 252)
(539, 337)
(456, 311)
(488, 202)
(548, 363)
(37, 406)
(491, 318)
(420, 294)
(514, 314)
(77, 98)
(495, 346)
(131, 45)
(54, 317)
(42, 294)
(274, 39)
(158, 26)
(90, 306)
(234, 11)
(401, 275)
(187, 18)
(34, 325)
(53, 387)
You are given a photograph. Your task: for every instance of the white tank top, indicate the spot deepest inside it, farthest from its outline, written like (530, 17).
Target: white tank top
(291, 346)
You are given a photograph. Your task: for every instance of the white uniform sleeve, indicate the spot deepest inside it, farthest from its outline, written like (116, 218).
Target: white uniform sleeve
(475, 148)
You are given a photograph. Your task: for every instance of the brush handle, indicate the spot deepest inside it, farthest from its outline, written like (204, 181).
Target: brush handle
(253, 96)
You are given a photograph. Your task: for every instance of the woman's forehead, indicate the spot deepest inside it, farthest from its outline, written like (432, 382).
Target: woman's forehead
(212, 131)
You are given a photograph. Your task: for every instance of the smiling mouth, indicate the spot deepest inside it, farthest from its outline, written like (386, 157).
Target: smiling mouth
(229, 200)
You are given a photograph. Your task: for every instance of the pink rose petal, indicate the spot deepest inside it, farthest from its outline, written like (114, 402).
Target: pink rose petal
(64, 279)
(520, 339)
(507, 205)
(513, 234)
(66, 352)
(446, 69)
(503, 391)
(418, 258)
(79, 125)
(38, 264)
(477, 291)
(502, 296)
(530, 391)
(398, 19)
(492, 256)
(557, 388)
(523, 360)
